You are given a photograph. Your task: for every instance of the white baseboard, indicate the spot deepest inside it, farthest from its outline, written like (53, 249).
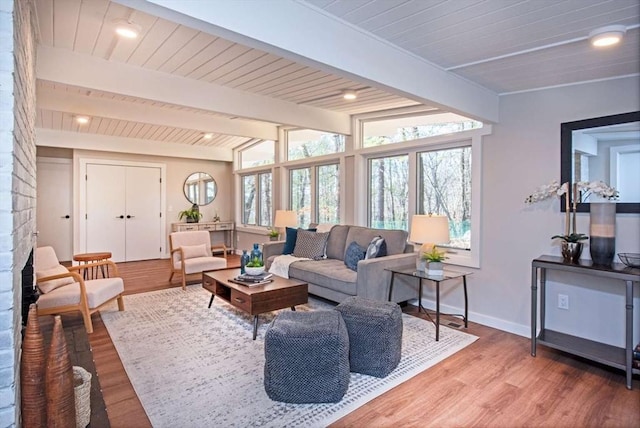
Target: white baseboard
(489, 321)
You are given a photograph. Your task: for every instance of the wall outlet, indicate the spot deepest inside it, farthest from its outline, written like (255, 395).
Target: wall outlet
(563, 301)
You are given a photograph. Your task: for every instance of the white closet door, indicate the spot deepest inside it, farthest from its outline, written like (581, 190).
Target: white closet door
(143, 213)
(54, 206)
(106, 210)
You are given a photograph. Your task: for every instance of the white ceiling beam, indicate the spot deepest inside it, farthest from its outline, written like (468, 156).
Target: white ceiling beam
(303, 33)
(64, 66)
(79, 104)
(84, 141)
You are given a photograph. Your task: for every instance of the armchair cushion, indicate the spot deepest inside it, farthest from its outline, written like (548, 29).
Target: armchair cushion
(193, 251)
(48, 286)
(98, 292)
(201, 264)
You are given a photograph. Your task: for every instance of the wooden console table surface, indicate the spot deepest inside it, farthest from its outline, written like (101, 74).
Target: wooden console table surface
(621, 358)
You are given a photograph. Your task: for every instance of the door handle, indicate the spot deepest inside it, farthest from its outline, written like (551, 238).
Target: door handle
(130, 216)
(66, 216)
(119, 216)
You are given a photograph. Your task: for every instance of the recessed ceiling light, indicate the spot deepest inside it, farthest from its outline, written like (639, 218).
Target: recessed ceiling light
(82, 120)
(127, 29)
(349, 95)
(207, 136)
(607, 36)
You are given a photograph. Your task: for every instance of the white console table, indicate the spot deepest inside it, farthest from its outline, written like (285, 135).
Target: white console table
(228, 228)
(613, 356)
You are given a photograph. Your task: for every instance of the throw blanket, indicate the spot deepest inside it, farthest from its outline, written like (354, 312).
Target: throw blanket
(280, 264)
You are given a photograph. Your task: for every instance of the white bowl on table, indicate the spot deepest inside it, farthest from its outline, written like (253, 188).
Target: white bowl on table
(254, 270)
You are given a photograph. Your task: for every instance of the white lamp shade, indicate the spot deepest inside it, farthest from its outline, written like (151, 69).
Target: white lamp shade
(285, 218)
(429, 229)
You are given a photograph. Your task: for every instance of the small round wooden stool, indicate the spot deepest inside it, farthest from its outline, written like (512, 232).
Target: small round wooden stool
(85, 258)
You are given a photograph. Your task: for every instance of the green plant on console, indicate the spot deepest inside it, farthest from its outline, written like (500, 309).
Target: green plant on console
(572, 237)
(192, 216)
(255, 262)
(273, 233)
(434, 255)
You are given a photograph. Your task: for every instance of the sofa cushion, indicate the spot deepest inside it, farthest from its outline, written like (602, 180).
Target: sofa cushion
(327, 273)
(291, 235)
(377, 248)
(396, 240)
(337, 242)
(353, 255)
(310, 245)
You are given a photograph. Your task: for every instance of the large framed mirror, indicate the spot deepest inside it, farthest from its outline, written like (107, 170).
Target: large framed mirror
(200, 188)
(604, 149)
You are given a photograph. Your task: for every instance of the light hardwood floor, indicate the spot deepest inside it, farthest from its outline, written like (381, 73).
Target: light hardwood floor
(492, 383)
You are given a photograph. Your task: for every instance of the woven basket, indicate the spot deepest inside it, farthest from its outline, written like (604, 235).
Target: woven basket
(82, 392)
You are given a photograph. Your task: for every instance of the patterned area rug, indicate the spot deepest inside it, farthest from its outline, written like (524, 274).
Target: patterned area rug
(192, 366)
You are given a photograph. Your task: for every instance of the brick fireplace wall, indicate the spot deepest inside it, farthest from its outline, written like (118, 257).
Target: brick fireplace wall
(17, 187)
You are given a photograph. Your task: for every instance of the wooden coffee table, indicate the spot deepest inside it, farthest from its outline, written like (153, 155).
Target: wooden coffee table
(279, 294)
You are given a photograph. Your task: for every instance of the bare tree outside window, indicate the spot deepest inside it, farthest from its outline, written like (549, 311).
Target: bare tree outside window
(300, 180)
(444, 188)
(257, 199)
(328, 194)
(389, 192)
(248, 199)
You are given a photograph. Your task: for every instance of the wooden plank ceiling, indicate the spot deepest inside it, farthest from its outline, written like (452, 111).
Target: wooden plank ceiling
(496, 43)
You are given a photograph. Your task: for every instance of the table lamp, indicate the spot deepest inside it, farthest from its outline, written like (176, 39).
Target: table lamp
(283, 219)
(428, 230)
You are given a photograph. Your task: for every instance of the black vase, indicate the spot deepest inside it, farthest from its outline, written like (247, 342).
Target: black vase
(571, 251)
(602, 231)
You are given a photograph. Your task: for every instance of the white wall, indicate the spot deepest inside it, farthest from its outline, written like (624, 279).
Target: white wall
(523, 153)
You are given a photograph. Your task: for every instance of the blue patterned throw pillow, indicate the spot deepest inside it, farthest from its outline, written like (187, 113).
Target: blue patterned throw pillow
(353, 255)
(377, 248)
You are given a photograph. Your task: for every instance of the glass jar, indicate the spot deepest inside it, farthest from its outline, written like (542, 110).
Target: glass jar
(256, 253)
(244, 259)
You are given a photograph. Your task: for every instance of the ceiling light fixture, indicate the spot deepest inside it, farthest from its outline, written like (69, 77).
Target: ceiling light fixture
(127, 29)
(207, 136)
(349, 95)
(82, 120)
(607, 36)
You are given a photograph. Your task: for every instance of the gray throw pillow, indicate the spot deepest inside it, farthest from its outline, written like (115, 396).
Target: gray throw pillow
(310, 245)
(353, 255)
(377, 248)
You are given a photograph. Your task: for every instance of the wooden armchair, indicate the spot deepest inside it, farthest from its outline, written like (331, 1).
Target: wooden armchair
(191, 252)
(65, 290)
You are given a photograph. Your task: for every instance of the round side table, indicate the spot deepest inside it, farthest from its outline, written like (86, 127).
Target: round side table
(85, 258)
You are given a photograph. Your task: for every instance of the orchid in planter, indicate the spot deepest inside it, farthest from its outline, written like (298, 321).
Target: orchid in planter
(575, 194)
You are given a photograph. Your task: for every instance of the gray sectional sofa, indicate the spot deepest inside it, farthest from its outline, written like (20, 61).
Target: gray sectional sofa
(331, 279)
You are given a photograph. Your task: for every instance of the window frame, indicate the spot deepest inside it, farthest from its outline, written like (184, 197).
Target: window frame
(258, 199)
(313, 183)
(468, 258)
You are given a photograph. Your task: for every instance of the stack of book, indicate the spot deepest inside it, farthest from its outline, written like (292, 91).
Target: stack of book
(636, 357)
(253, 280)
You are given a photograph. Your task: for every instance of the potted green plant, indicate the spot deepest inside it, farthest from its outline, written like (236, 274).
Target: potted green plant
(434, 259)
(192, 216)
(255, 266)
(273, 234)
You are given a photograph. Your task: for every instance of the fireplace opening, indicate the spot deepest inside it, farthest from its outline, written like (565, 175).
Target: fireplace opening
(29, 293)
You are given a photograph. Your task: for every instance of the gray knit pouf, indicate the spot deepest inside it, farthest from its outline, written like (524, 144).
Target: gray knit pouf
(306, 357)
(375, 335)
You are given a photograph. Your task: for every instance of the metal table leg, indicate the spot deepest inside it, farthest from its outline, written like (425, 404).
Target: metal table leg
(255, 327)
